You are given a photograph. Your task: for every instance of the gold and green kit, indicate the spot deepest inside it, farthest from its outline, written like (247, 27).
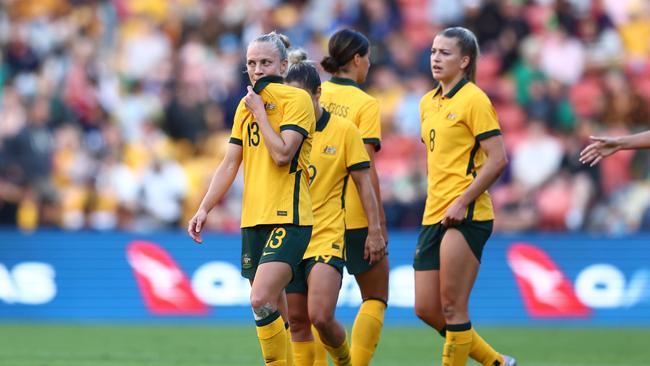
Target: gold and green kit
(344, 98)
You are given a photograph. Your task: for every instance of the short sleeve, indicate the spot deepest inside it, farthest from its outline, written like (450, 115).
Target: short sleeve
(299, 114)
(356, 156)
(370, 124)
(482, 118)
(238, 125)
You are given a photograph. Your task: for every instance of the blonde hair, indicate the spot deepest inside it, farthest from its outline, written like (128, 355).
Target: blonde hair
(279, 40)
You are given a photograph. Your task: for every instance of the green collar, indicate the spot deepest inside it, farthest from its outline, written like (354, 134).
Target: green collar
(322, 121)
(344, 81)
(266, 80)
(453, 90)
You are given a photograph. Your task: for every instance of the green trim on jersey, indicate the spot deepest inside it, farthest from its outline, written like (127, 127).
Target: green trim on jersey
(344, 81)
(296, 198)
(374, 142)
(359, 166)
(296, 128)
(266, 80)
(322, 121)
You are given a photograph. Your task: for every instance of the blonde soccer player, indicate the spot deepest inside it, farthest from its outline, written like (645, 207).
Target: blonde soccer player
(272, 136)
(338, 153)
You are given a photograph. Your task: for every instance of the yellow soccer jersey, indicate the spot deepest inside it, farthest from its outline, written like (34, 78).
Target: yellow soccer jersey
(452, 126)
(337, 150)
(274, 194)
(344, 98)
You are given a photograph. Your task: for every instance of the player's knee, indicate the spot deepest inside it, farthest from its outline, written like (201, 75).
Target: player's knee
(299, 322)
(300, 329)
(259, 301)
(321, 319)
(452, 309)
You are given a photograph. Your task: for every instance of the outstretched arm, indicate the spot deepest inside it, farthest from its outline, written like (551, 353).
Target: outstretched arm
(604, 146)
(220, 183)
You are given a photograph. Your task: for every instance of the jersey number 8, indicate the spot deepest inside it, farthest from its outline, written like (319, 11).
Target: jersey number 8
(432, 139)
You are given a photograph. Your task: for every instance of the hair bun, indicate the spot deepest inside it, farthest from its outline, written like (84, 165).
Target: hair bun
(285, 40)
(330, 64)
(297, 56)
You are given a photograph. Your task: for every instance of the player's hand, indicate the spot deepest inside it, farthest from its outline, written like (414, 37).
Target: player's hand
(602, 147)
(375, 248)
(254, 102)
(455, 214)
(196, 224)
(384, 232)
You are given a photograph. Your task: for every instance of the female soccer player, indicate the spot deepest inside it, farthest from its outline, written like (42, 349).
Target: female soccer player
(348, 62)
(465, 155)
(604, 146)
(272, 134)
(338, 152)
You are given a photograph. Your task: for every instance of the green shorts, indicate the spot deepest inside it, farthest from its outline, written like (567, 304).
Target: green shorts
(299, 281)
(427, 252)
(272, 243)
(355, 243)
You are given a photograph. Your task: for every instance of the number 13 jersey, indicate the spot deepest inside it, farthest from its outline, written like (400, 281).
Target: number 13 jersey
(275, 194)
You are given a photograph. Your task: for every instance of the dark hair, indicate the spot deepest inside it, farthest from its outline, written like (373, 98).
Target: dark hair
(468, 47)
(279, 40)
(302, 71)
(343, 45)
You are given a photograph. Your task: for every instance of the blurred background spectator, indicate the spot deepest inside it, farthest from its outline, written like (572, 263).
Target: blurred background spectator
(114, 113)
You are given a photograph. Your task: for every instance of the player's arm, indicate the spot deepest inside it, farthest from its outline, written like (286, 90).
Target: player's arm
(495, 161)
(604, 146)
(375, 248)
(220, 183)
(374, 180)
(282, 146)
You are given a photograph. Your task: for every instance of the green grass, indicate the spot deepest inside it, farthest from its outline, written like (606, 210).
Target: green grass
(55, 345)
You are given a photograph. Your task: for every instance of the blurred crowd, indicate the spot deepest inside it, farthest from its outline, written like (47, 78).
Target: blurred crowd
(115, 113)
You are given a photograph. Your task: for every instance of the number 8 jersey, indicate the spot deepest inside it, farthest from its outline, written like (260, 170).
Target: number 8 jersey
(275, 194)
(452, 126)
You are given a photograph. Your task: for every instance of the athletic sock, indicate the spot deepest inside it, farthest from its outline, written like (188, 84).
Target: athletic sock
(366, 331)
(457, 344)
(320, 353)
(273, 339)
(303, 353)
(341, 354)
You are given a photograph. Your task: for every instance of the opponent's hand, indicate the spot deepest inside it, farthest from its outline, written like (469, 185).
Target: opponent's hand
(254, 102)
(455, 214)
(196, 224)
(602, 147)
(375, 248)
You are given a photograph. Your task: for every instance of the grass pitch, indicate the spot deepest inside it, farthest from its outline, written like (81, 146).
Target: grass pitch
(130, 345)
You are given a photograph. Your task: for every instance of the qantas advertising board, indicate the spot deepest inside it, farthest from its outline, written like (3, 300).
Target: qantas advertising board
(527, 279)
